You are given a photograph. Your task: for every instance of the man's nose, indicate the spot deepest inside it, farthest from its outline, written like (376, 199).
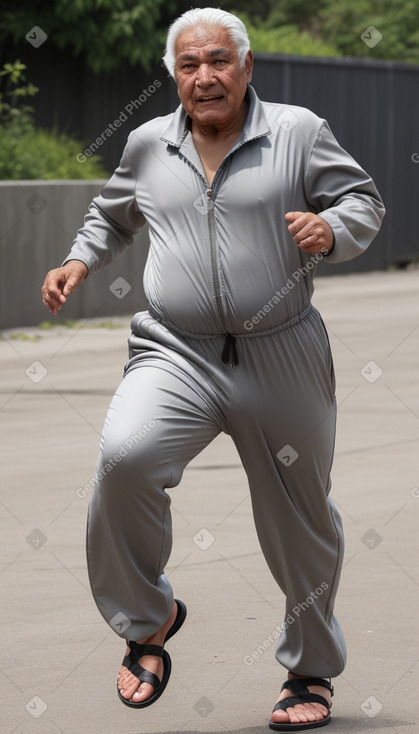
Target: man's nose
(205, 74)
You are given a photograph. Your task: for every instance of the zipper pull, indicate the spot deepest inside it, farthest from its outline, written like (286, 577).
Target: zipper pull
(210, 200)
(229, 355)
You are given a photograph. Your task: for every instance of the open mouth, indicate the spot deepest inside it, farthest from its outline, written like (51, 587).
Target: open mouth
(208, 100)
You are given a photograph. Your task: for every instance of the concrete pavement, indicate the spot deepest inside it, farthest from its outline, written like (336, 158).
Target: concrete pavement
(59, 660)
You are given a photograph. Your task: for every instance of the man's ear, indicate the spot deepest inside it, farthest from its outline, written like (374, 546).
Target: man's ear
(248, 65)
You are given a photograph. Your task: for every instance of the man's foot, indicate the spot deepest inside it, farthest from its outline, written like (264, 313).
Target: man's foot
(128, 684)
(307, 713)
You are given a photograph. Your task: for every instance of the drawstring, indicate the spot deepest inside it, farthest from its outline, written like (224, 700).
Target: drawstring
(229, 355)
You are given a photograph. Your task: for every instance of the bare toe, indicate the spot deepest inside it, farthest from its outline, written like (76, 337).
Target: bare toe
(302, 712)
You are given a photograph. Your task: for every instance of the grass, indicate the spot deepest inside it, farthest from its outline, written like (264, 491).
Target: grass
(68, 324)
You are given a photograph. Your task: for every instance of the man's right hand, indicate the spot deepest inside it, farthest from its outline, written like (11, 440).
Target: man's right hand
(60, 282)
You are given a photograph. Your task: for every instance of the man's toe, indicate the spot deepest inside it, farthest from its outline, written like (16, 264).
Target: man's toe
(126, 679)
(144, 691)
(280, 717)
(299, 713)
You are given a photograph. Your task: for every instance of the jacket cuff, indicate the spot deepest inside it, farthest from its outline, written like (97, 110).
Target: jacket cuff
(330, 252)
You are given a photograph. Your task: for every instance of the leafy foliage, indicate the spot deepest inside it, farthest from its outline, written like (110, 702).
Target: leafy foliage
(398, 23)
(111, 33)
(14, 90)
(30, 153)
(27, 152)
(107, 32)
(333, 26)
(285, 38)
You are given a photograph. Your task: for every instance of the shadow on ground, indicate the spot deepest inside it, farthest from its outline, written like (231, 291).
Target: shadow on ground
(338, 724)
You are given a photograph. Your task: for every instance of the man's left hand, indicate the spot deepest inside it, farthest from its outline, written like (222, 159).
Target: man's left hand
(310, 232)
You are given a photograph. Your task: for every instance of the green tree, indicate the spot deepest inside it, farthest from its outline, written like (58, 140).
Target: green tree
(106, 32)
(285, 38)
(310, 27)
(397, 23)
(111, 33)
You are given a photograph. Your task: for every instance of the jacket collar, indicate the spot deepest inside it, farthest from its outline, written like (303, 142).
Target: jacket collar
(255, 126)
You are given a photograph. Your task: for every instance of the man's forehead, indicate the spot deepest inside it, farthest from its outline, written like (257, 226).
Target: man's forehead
(203, 37)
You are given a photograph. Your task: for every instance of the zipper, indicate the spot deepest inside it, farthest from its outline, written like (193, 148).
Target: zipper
(213, 240)
(229, 353)
(216, 283)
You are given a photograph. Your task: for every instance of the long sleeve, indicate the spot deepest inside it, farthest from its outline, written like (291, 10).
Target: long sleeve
(112, 220)
(344, 195)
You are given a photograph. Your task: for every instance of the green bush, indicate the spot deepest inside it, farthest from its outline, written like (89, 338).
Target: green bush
(27, 152)
(284, 39)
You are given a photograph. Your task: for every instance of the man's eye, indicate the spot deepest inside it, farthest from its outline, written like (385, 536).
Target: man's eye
(220, 61)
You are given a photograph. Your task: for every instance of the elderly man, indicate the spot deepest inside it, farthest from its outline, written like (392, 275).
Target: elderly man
(242, 199)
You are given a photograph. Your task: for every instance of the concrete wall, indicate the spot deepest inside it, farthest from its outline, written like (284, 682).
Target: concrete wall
(38, 223)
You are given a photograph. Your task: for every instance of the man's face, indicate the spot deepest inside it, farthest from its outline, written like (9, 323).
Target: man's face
(211, 83)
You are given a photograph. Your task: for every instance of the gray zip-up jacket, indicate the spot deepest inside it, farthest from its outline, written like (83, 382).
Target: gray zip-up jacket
(221, 258)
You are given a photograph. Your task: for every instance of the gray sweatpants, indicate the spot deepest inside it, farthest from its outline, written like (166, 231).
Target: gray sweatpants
(278, 405)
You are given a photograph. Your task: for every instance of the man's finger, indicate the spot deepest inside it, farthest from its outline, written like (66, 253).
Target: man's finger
(299, 220)
(61, 282)
(52, 303)
(311, 229)
(70, 285)
(52, 290)
(291, 217)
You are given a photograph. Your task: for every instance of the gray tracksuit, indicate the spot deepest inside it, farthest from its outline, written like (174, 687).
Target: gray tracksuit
(227, 287)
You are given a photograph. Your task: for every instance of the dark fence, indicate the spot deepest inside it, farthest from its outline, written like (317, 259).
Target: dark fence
(372, 107)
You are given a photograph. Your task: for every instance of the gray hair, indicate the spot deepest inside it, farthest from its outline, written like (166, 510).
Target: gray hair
(206, 16)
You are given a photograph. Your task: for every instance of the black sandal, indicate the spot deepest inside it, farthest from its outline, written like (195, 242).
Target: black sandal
(144, 676)
(180, 618)
(302, 695)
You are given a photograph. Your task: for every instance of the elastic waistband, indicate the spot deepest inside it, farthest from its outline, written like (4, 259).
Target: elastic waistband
(246, 335)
